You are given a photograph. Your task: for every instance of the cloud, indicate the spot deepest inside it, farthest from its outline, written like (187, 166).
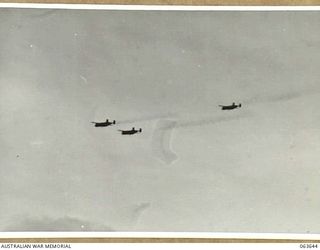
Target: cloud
(47, 224)
(45, 13)
(280, 97)
(212, 120)
(146, 118)
(162, 135)
(139, 209)
(161, 140)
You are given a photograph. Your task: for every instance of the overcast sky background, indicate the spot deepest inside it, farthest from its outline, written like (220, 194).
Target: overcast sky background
(194, 167)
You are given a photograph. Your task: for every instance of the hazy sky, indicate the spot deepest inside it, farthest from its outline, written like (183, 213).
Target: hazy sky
(194, 167)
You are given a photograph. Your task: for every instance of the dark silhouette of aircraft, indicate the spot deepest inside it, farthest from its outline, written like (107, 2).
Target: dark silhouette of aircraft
(104, 124)
(229, 107)
(130, 132)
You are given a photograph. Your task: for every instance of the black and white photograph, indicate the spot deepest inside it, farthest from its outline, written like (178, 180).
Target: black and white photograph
(159, 121)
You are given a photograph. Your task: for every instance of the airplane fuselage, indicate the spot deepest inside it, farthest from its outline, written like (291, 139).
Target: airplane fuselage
(130, 132)
(230, 107)
(102, 124)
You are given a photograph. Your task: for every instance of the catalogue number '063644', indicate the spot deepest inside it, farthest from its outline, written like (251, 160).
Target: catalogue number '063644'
(308, 245)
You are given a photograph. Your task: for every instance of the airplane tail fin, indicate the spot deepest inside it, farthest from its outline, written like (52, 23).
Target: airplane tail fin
(114, 121)
(239, 105)
(140, 130)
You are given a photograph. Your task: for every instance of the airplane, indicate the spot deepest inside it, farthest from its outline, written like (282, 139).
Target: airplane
(104, 124)
(229, 107)
(130, 132)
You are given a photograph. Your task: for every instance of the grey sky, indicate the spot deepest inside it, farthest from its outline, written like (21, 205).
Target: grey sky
(194, 167)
